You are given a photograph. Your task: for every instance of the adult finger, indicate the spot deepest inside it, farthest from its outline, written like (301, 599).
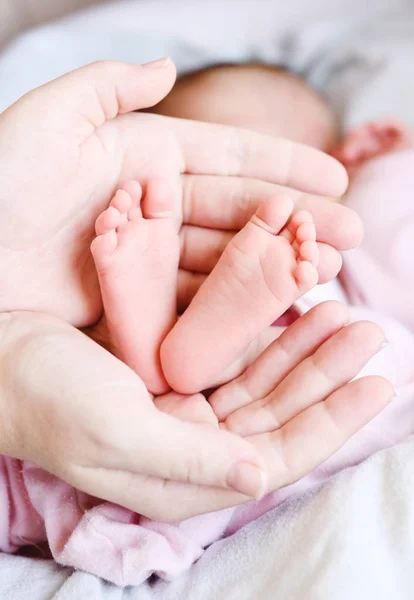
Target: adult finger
(315, 434)
(153, 497)
(100, 91)
(144, 440)
(290, 453)
(201, 248)
(188, 285)
(229, 202)
(210, 149)
(335, 363)
(101, 417)
(293, 346)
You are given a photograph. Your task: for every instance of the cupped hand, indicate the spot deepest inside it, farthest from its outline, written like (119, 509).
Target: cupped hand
(66, 146)
(77, 411)
(297, 403)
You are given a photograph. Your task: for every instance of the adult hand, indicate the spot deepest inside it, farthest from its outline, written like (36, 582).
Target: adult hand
(77, 411)
(66, 146)
(298, 402)
(80, 413)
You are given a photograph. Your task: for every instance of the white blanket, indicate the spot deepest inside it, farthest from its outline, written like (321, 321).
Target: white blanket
(354, 537)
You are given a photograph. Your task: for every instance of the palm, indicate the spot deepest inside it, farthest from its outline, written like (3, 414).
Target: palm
(52, 214)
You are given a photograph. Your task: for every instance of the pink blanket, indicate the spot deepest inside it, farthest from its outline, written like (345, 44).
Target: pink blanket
(125, 548)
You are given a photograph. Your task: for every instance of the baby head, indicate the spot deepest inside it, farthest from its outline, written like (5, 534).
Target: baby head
(262, 98)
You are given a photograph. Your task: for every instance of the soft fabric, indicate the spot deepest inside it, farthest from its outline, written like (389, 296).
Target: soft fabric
(17, 16)
(380, 272)
(351, 538)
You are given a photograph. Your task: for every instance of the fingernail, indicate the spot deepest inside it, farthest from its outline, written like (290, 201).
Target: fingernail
(158, 64)
(248, 479)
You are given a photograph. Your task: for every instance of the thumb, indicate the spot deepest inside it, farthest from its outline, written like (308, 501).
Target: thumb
(100, 91)
(158, 445)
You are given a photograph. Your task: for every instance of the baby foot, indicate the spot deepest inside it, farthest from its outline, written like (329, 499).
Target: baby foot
(136, 255)
(261, 273)
(371, 140)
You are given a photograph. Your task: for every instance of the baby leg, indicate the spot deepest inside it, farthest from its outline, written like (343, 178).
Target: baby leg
(136, 254)
(264, 269)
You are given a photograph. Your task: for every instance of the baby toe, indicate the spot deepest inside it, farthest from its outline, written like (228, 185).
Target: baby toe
(273, 214)
(103, 246)
(159, 200)
(122, 201)
(288, 235)
(134, 189)
(295, 222)
(306, 276)
(306, 233)
(109, 219)
(302, 216)
(309, 251)
(134, 213)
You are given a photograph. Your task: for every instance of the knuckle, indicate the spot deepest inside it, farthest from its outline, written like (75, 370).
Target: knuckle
(320, 370)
